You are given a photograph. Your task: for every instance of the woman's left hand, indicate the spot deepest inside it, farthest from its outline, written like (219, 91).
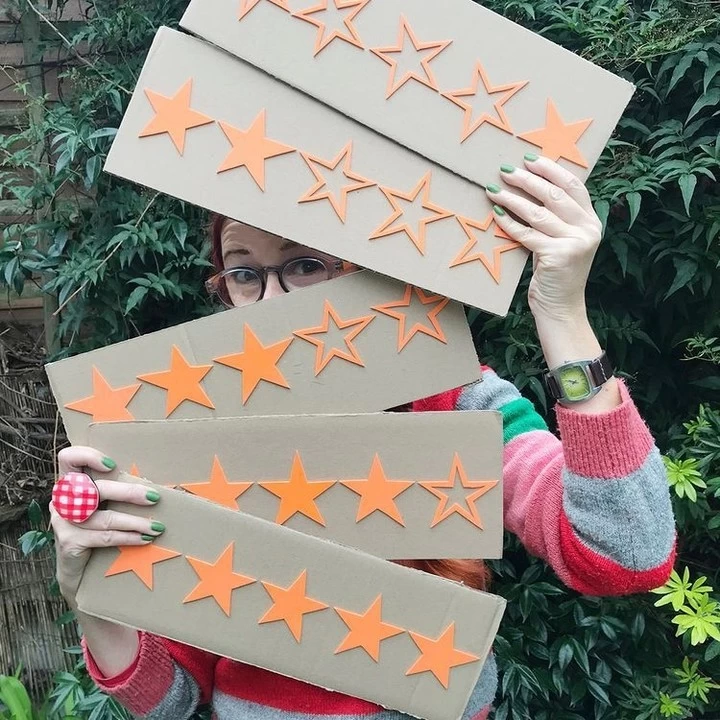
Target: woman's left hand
(562, 231)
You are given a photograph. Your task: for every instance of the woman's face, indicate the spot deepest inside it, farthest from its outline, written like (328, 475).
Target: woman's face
(244, 246)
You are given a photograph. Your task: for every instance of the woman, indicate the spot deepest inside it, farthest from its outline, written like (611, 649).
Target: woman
(595, 506)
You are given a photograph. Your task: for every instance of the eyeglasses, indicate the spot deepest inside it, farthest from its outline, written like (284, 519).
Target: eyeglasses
(245, 285)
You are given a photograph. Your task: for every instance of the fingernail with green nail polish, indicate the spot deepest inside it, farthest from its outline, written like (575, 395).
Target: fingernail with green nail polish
(109, 463)
(507, 168)
(157, 526)
(498, 210)
(493, 188)
(531, 157)
(148, 538)
(152, 495)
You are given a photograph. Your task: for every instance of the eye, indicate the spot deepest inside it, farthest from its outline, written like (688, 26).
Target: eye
(242, 276)
(304, 271)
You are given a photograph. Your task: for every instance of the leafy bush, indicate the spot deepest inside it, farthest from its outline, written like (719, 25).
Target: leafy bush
(125, 261)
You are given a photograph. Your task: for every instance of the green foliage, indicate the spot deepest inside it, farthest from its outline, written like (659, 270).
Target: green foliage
(124, 261)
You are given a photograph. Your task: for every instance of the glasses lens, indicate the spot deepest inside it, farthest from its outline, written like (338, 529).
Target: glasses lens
(244, 285)
(303, 272)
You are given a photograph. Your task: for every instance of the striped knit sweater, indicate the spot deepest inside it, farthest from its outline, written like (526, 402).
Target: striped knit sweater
(595, 506)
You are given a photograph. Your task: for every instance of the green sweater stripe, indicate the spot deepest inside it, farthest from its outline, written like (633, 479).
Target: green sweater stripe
(519, 416)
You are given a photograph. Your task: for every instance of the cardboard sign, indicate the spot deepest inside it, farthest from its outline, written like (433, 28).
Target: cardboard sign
(297, 605)
(214, 131)
(451, 80)
(396, 485)
(358, 343)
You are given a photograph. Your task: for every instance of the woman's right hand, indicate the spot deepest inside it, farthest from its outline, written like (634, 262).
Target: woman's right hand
(105, 528)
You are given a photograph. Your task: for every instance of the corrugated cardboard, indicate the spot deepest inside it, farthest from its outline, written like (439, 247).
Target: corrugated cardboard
(245, 623)
(345, 54)
(368, 375)
(396, 485)
(257, 150)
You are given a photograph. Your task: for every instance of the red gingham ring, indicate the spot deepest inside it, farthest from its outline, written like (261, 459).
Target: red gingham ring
(75, 497)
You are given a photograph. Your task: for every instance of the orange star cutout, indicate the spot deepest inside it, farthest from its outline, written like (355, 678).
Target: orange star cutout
(416, 235)
(297, 495)
(218, 489)
(322, 358)
(291, 604)
(247, 5)
(106, 404)
(439, 656)
(174, 116)
(367, 630)
(251, 148)
(470, 512)
(501, 120)
(182, 381)
(257, 362)
(559, 139)
(321, 39)
(217, 580)
(140, 559)
(378, 493)
(492, 266)
(339, 204)
(433, 50)
(404, 336)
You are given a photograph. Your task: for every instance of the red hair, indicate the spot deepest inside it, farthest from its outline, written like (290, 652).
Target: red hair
(473, 573)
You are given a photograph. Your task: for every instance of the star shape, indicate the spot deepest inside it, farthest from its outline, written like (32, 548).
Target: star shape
(247, 5)
(431, 50)
(501, 120)
(257, 362)
(217, 580)
(470, 511)
(323, 357)
(339, 204)
(378, 493)
(291, 604)
(297, 494)
(322, 40)
(367, 630)
(140, 559)
(435, 330)
(218, 489)
(174, 116)
(416, 235)
(251, 148)
(439, 656)
(559, 139)
(106, 404)
(182, 381)
(464, 256)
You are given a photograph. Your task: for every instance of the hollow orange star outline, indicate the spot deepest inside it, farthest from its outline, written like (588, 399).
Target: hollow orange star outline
(106, 404)
(339, 204)
(174, 116)
(141, 560)
(355, 325)
(433, 49)
(470, 512)
(321, 39)
(435, 330)
(559, 139)
(247, 5)
(218, 489)
(466, 255)
(367, 630)
(501, 121)
(417, 236)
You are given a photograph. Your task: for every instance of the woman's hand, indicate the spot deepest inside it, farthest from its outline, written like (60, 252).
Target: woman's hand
(105, 528)
(561, 230)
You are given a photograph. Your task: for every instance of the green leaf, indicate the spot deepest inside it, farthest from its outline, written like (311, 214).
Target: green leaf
(687, 185)
(103, 133)
(685, 269)
(135, 298)
(711, 98)
(679, 72)
(634, 200)
(92, 169)
(35, 514)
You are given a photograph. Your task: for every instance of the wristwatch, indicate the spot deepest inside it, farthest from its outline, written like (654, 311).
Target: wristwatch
(574, 382)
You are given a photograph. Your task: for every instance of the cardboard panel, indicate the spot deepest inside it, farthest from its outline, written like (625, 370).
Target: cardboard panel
(269, 596)
(209, 129)
(321, 349)
(396, 485)
(452, 80)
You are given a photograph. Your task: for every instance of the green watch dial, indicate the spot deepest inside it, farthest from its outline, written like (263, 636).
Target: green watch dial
(574, 383)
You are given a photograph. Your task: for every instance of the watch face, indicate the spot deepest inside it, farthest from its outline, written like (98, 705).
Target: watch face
(574, 383)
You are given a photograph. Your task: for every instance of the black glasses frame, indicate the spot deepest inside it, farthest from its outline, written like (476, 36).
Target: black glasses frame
(215, 285)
